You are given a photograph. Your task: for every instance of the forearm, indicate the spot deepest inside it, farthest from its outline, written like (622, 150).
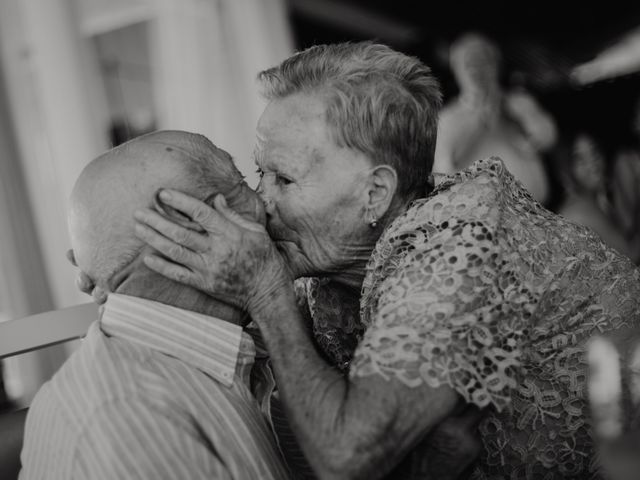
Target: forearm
(346, 429)
(313, 392)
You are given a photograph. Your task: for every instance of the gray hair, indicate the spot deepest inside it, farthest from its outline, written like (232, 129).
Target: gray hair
(379, 101)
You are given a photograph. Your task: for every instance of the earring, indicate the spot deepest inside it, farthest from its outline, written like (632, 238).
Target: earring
(371, 219)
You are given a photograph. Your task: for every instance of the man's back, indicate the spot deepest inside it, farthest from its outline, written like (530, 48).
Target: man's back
(153, 392)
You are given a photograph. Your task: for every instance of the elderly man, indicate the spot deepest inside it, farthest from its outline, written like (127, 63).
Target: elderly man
(160, 386)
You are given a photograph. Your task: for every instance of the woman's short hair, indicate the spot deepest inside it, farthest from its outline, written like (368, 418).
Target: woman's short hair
(379, 101)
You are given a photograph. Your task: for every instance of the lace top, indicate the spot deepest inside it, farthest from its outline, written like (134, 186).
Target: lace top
(480, 288)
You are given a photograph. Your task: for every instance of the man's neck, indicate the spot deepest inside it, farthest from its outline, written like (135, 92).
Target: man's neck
(161, 290)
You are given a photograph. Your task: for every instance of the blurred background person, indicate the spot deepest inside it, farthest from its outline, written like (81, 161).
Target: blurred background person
(485, 120)
(586, 199)
(625, 186)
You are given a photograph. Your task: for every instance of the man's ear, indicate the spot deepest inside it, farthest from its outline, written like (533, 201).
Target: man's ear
(247, 204)
(175, 216)
(382, 189)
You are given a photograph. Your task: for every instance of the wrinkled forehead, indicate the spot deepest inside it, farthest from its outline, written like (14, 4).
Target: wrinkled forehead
(293, 135)
(291, 156)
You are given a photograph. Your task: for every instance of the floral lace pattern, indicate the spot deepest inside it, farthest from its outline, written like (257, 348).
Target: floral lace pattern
(480, 288)
(334, 316)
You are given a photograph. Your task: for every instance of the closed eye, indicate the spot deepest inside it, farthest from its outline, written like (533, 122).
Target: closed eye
(283, 180)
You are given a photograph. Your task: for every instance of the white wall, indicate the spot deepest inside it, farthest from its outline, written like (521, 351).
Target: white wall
(205, 59)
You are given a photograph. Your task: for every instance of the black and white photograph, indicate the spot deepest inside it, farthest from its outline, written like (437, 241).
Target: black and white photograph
(319, 240)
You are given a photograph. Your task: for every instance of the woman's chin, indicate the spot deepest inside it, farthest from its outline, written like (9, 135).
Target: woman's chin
(294, 259)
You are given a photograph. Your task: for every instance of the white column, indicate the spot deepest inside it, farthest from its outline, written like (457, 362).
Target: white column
(59, 114)
(205, 56)
(260, 37)
(23, 286)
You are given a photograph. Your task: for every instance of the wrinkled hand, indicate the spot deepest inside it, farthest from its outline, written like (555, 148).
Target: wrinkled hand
(85, 284)
(619, 450)
(232, 259)
(448, 451)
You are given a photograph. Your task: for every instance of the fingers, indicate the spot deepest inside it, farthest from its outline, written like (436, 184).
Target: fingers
(84, 283)
(605, 388)
(195, 209)
(99, 295)
(177, 233)
(221, 206)
(71, 257)
(172, 250)
(170, 270)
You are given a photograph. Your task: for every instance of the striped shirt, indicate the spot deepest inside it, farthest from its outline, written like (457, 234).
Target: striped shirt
(154, 392)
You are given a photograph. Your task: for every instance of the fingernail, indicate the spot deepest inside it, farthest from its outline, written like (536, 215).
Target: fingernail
(222, 200)
(164, 195)
(149, 261)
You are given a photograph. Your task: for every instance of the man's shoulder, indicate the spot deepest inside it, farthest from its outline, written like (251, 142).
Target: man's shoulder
(99, 371)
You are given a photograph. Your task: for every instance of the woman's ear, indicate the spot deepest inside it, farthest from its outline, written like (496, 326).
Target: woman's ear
(382, 189)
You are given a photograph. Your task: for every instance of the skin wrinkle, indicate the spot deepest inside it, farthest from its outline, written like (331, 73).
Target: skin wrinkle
(305, 232)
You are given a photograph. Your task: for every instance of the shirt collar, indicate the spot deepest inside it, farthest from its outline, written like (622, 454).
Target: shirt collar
(218, 348)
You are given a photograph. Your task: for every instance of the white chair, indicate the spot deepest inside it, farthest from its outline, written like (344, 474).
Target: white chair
(25, 335)
(46, 329)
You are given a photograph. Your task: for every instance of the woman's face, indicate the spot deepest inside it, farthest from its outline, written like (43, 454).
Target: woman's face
(315, 192)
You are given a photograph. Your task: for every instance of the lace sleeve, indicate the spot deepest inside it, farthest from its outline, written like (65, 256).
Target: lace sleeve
(300, 288)
(442, 317)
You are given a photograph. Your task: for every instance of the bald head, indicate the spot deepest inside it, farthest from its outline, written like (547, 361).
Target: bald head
(127, 178)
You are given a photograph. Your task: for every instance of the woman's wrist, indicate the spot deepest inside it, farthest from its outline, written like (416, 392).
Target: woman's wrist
(275, 286)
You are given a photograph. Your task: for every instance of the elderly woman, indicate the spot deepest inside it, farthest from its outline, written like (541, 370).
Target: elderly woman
(421, 298)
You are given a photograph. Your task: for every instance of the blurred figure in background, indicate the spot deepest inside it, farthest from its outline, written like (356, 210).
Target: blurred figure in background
(625, 187)
(586, 201)
(484, 120)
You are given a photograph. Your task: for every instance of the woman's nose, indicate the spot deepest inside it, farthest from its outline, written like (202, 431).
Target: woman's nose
(261, 190)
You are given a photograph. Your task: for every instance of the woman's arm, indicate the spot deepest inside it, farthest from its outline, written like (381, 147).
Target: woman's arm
(348, 428)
